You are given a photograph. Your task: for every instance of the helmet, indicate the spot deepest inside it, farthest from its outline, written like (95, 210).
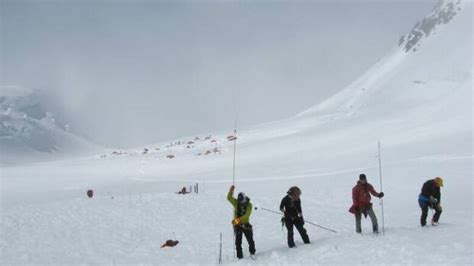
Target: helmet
(362, 177)
(242, 198)
(438, 180)
(295, 191)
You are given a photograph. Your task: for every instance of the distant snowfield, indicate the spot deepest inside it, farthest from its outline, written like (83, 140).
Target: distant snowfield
(418, 104)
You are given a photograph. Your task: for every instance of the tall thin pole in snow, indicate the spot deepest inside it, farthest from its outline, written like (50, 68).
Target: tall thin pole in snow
(233, 165)
(235, 99)
(220, 249)
(381, 189)
(233, 168)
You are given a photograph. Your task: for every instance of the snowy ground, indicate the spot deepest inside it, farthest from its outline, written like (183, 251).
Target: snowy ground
(129, 226)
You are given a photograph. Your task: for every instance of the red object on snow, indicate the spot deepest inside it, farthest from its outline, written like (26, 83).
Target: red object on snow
(90, 193)
(170, 243)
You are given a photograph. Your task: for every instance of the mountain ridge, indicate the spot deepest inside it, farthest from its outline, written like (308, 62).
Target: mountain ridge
(28, 131)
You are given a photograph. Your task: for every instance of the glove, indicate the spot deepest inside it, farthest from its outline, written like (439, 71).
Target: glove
(236, 221)
(381, 195)
(231, 189)
(433, 200)
(283, 220)
(301, 220)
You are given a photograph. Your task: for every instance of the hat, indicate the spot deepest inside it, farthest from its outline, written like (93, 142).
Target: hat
(362, 177)
(294, 190)
(242, 198)
(438, 180)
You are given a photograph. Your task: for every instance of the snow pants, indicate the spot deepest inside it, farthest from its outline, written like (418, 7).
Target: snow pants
(299, 226)
(373, 218)
(245, 229)
(424, 212)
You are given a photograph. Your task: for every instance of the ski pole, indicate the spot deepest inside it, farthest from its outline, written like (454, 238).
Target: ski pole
(381, 189)
(321, 227)
(268, 210)
(311, 223)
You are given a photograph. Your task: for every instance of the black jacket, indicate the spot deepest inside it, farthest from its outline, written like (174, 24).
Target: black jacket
(431, 189)
(290, 208)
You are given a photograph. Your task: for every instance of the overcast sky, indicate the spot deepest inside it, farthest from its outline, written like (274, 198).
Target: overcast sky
(127, 73)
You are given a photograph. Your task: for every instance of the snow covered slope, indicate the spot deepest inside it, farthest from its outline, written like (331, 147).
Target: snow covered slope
(417, 103)
(29, 132)
(420, 71)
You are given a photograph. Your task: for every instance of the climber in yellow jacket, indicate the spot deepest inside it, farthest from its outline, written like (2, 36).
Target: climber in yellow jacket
(242, 210)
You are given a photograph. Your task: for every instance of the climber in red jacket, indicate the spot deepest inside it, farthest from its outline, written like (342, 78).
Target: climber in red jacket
(361, 203)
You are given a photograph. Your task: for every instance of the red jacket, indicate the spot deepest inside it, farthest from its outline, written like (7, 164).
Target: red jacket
(361, 196)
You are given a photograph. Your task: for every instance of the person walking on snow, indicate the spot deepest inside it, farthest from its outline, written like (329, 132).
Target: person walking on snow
(362, 205)
(293, 215)
(430, 197)
(242, 210)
